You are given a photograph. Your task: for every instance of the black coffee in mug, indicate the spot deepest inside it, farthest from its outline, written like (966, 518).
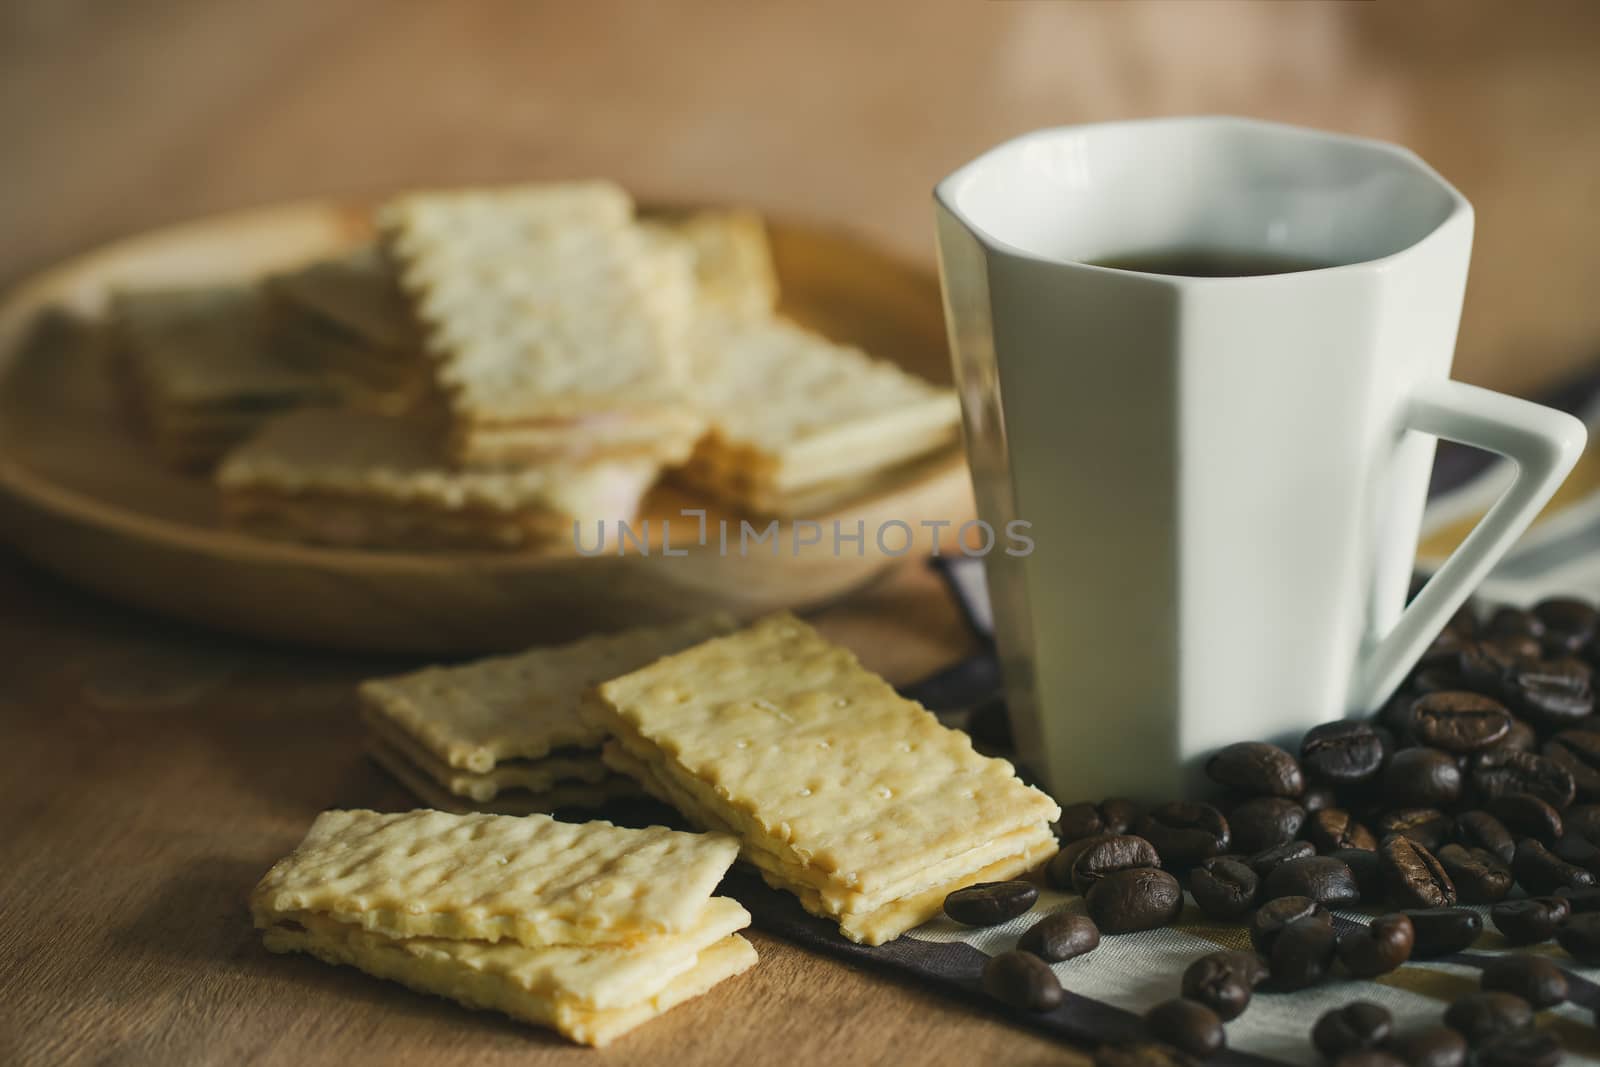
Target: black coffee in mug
(1212, 263)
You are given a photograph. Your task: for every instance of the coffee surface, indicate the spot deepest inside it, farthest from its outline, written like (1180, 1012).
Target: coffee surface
(1212, 263)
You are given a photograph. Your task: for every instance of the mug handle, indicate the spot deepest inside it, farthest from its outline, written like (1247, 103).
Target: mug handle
(1543, 443)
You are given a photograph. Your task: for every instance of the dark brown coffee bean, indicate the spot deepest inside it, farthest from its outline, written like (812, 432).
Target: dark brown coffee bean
(1479, 829)
(1263, 863)
(1302, 953)
(1578, 851)
(1097, 857)
(1224, 888)
(1257, 767)
(1426, 826)
(1421, 778)
(1520, 738)
(1578, 753)
(1482, 1017)
(1266, 822)
(1536, 980)
(1224, 981)
(1436, 1047)
(1141, 1054)
(1318, 798)
(1503, 773)
(1582, 901)
(1376, 1057)
(1441, 931)
(1140, 899)
(1322, 878)
(1580, 936)
(1185, 832)
(990, 903)
(1188, 1026)
(1271, 918)
(1583, 819)
(1119, 814)
(1514, 622)
(1480, 877)
(1079, 821)
(1531, 1048)
(1335, 828)
(1529, 920)
(1368, 869)
(1341, 753)
(1458, 721)
(1023, 981)
(1377, 948)
(1061, 936)
(1541, 872)
(1356, 1027)
(989, 725)
(1526, 815)
(1414, 876)
(1552, 693)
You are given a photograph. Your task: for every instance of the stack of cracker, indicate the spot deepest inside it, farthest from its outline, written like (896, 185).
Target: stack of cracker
(841, 791)
(506, 734)
(204, 369)
(587, 928)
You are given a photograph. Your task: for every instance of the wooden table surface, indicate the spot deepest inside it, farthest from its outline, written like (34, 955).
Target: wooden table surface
(151, 773)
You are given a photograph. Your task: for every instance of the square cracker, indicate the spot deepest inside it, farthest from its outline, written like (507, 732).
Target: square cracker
(541, 301)
(789, 409)
(732, 260)
(494, 977)
(816, 757)
(491, 877)
(525, 705)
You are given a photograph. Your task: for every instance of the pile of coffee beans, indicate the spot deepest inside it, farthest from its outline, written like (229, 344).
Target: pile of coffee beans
(1477, 783)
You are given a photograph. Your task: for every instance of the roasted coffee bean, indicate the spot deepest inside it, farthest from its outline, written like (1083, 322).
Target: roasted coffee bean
(1514, 622)
(1529, 920)
(1023, 981)
(1336, 828)
(1520, 738)
(1441, 931)
(1526, 815)
(1582, 901)
(1377, 948)
(1271, 918)
(1141, 1054)
(1578, 753)
(1079, 821)
(1257, 767)
(1187, 1025)
(1368, 869)
(1139, 899)
(1414, 876)
(1097, 857)
(1224, 981)
(1583, 819)
(1263, 863)
(1458, 721)
(1436, 1047)
(1482, 1017)
(1318, 798)
(1421, 778)
(1376, 1057)
(1575, 621)
(1517, 649)
(1479, 829)
(989, 725)
(1580, 936)
(1322, 878)
(990, 903)
(1480, 877)
(1185, 832)
(1532, 1048)
(1224, 888)
(1356, 1027)
(1341, 753)
(1061, 936)
(1266, 822)
(1533, 978)
(1426, 826)
(1119, 814)
(1578, 851)
(1302, 953)
(1552, 693)
(1503, 773)
(1541, 872)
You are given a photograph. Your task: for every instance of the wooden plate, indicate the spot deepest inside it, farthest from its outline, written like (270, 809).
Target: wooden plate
(82, 495)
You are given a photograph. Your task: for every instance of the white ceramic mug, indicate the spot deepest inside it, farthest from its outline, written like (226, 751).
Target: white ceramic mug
(1224, 476)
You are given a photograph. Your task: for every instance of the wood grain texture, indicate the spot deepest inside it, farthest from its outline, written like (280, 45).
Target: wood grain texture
(151, 774)
(83, 493)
